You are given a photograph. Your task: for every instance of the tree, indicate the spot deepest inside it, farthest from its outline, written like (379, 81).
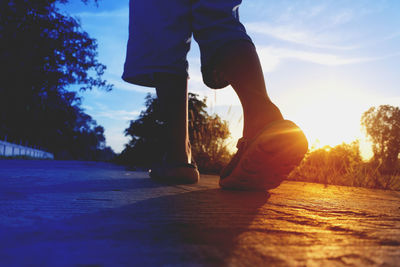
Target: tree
(382, 125)
(43, 52)
(207, 134)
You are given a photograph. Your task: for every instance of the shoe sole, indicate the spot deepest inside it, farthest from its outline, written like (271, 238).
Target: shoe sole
(269, 159)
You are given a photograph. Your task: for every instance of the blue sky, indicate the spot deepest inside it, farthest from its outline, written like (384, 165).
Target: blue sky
(325, 62)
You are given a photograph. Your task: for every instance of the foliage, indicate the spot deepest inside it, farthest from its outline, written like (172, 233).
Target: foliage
(328, 164)
(146, 144)
(207, 134)
(382, 124)
(343, 165)
(42, 52)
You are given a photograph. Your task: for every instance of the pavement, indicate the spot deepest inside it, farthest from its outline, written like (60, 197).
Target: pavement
(65, 213)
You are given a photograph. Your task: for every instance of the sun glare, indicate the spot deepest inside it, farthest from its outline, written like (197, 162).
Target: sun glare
(328, 116)
(331, 117)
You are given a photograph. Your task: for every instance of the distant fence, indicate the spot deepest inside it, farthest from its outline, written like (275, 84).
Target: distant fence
(12, 150)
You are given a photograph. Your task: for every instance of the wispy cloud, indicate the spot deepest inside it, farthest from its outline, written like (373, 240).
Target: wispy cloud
(330, 24)
(102, 111)
(118, 114)
(117, 13)
(391, 36)
(276, 55)
(87, 107)
(342, 17)
(293, 34)
(122, 85)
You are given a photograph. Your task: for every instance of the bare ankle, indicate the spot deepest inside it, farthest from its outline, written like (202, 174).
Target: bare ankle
(179, 152)
(256, 120)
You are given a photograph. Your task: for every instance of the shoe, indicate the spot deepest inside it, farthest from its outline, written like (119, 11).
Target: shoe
(179, 173)
(263, 162)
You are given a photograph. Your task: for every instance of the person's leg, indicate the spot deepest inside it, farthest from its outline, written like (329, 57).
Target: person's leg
(177, 166)
(242, 69)
(229, 57)
(271, 146)
(173, 98)
(159, 40)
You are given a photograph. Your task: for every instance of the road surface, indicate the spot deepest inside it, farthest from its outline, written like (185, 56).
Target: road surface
(55, 213)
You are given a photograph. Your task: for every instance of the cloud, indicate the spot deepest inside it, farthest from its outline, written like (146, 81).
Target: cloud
(118, 114)
(102, 111)
(273, 56)
(342, 17)
(118, 13)
(115, 121)
(115, 138)
(86, 107)
(330, 25)
(391, 36)
(122, 85)
(293, 34)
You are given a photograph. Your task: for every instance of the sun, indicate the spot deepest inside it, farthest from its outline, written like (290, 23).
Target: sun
(327, 115)
(330, 117)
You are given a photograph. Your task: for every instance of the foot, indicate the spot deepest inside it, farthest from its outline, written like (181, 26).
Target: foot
(179, 173)
(265, 160)
(176, 168)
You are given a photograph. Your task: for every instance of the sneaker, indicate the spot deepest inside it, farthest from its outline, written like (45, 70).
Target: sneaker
(264, 161)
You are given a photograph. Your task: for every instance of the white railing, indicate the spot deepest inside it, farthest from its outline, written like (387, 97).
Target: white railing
(12, 150)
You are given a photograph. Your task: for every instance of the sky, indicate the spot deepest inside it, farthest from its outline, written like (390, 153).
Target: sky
(325, 62)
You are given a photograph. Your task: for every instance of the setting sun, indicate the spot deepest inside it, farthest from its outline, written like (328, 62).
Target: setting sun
(331, 116)
(328, 113)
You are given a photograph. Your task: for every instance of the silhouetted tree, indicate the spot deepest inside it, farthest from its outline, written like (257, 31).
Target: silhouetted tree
(42, 52)
(146, 133)
(207, 136)
(382, 125)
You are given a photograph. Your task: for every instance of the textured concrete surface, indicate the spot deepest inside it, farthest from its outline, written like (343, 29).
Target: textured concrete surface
(89, 214)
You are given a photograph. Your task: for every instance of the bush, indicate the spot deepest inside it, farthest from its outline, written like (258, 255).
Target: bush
(343, 165)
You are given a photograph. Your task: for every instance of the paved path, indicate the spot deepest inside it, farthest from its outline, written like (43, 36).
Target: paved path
(89, 214)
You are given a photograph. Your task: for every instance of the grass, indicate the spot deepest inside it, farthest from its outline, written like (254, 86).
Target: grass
(342, 165)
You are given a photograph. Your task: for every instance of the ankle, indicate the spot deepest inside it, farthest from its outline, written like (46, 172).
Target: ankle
(175, 157)
(179, 153)
(258, 118)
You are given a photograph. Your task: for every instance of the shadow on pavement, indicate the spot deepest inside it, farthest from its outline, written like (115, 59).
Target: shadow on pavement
(198, 227)
(98, 185)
